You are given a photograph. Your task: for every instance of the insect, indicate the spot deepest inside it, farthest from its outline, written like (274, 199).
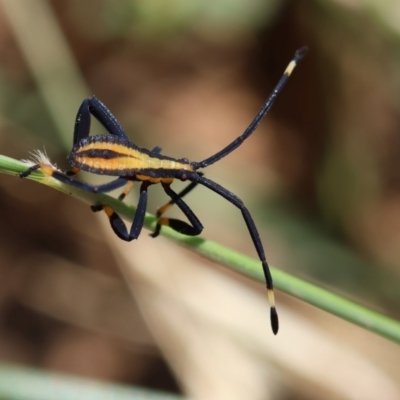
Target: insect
(113, 154)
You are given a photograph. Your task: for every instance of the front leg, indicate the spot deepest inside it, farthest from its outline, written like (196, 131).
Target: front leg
(69, 180)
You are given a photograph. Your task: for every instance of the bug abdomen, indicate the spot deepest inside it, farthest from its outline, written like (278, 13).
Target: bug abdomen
(106, 154)
(111, 155)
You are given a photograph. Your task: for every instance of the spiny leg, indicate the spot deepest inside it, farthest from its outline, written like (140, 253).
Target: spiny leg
(116, 222)
(90, 106)
(94, 106)
(180, 226)
(256, 240)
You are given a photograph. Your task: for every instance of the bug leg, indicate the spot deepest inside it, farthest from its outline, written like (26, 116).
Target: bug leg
(255, 238)
(82, 122)
(193, 229)
(165, 207)
(69, 180)
(104, 188)
(116, 222)
(126, 191)
(26, 173)
(94, 106)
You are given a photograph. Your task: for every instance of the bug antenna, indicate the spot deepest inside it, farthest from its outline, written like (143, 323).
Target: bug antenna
(259, 117)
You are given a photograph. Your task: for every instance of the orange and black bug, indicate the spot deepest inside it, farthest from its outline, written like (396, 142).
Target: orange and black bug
(113, 154)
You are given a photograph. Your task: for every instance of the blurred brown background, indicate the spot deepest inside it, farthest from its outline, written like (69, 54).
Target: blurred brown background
(321, 177)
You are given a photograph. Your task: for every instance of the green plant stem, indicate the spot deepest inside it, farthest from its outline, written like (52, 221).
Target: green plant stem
(296, 287)
(30, 383)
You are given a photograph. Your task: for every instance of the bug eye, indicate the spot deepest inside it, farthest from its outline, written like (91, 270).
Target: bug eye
(185, 160)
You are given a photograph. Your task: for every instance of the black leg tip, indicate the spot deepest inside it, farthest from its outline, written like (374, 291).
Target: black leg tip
(96, 207)
(29, 171)
(274, 320)
(156, 231)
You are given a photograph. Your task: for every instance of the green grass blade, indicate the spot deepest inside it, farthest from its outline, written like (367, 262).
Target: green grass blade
(18, 383)
(296, 287)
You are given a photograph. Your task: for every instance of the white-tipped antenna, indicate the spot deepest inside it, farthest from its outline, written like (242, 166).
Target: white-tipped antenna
(259, 117)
